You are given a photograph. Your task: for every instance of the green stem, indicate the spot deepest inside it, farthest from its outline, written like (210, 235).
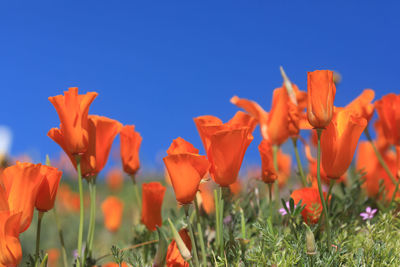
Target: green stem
(275, 149)
(39, 224)
(81, 260)
(216, 197)
(321, 195)
(137, 193)
(61, 236)
(196, 205)
(192, 236)
(221, 223)
(299, 165)
(92, 219)
(202, 246)
(270, 192)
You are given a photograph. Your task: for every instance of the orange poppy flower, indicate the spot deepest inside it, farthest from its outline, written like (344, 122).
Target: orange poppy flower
(278, 130)
(186, 169)
(152, 199)
(388, 109)
(284, 166)
(73, 111)
(207, 197)
(48, 189)
(21, 183)
(381, 142)
(174, 257)
(114, 179)
(339, 142)
(362, 104)
(101, 132)
(130, 144)
(236, 187)
(310, 198)
(368, 163)
(112, 208)
(53, 256)
(10, 246)
(268, 172)
(225, 145)
(320, 96)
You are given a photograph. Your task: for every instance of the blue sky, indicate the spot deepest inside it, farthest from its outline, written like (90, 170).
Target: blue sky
(158, 64)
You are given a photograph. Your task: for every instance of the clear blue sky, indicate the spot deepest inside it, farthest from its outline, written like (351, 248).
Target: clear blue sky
(158, 64)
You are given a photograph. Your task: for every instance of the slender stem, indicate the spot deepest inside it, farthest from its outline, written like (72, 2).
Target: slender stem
(397, 183)
(202, 246)
(331, 184)
(137, 193)
(81, 260)
(270, 192)
(299, 165)
(192, 236)
(221, 223)
(275, 149)
(92, 219)
(196, 205)
(39, 224)
(321, 195)
(61, 236)
(216, 197)
(129, 248)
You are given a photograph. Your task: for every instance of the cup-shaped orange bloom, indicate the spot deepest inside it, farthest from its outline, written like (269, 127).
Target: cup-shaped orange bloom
(382, 143)
(367, 162)
(186, 169)
(236, 187)
(278, 130)
(48, 189)
(21, 183)
(130, 145)
(101, 134)
(207, 197)
(174, 257)
(268, 172)
(152, 199)
(114, 179)
(362, 104)
(10, 246)
(225, 145)
(388, 109)
(310, 198)
(72, 110)
(320, 96)
(339, 141)
(284, 167)
(112, 208)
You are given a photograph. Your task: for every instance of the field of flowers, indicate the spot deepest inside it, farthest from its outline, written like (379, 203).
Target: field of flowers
(199, 212)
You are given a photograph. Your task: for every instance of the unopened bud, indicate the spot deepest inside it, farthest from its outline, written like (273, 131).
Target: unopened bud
(310, 241)
(289, 87)
(185, 253)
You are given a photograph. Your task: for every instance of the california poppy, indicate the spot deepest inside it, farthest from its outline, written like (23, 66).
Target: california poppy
(320, 96)
(152, 199)
(130, 145)
(207, 197)
(21, 183)
(367, 163)
(114, 179)
(388, 109)
(186, 169)
(174, 257)
(284, 168)
(339, 141)
(225, 145)
(268, 172)
(236, 187)
(48, 189)
(113, 264)
(53, 257)
(10, 246)
(362, 104)
(101, 134)
(310, 198)
(112, 208)
(73, 111)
